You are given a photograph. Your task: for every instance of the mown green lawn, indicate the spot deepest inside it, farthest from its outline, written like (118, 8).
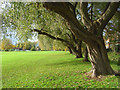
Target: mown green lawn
(51, 69)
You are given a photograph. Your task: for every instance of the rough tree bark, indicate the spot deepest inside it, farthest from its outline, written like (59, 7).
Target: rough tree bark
(93, 36)
(99, 60)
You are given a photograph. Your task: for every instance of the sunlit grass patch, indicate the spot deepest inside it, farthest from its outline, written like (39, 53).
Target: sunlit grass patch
(50, 69)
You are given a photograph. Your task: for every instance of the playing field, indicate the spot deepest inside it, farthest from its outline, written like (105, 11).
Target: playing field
(50, 69)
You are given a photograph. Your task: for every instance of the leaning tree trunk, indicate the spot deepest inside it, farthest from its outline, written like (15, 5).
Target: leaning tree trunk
(79, 50)
(96, 47)
(77, 53)
(86, 55)
(76, 49)
(70, 50)
(99, 59)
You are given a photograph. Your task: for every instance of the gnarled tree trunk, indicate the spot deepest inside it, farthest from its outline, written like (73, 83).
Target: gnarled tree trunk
(99, 59)
(77, 51)
(92, 37)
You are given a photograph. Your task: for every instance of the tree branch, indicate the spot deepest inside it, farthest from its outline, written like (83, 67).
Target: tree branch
(75, 8)
(68, 35)
(50, 36)
(65, 42)
(64, 9)
(84, 14)
(108, 14)
(106, 7)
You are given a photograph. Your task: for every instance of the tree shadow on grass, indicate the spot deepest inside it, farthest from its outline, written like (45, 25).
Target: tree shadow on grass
(76, 62)
(80, 62)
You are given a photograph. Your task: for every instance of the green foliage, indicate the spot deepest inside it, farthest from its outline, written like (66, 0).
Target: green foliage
(26, 45)
(114, 56)
(6, 44)
(46, 43)
(33, 49)
(50, 69)
(24, 16)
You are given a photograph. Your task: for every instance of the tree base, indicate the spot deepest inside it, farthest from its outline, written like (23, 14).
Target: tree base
(86, 60)
(79, 56)
(93, 74)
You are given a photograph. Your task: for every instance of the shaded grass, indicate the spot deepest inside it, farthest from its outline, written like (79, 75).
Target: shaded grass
(50, 69)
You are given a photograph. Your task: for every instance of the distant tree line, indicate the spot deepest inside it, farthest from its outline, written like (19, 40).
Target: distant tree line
(6, 45)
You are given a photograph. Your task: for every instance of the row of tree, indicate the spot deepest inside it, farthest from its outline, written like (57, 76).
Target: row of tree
(69, 23)
(44, 43)
(28, 46)
(90, 30)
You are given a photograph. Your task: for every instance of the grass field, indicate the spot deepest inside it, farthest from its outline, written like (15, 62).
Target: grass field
(51, 69)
